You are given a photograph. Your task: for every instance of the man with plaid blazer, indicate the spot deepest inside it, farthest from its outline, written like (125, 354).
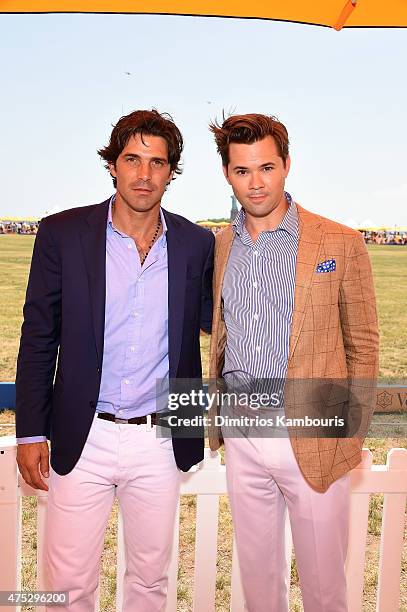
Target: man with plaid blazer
(293, 302)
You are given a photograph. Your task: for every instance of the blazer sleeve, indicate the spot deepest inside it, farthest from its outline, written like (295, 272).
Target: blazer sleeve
(207, 299)
(40, 337)
(360, 333)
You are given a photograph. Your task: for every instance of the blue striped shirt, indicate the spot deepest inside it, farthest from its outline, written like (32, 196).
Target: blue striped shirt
(258, 300)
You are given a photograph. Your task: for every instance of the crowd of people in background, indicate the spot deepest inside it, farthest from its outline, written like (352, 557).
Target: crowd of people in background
(385, 236)
(18, 227)
(389, 236)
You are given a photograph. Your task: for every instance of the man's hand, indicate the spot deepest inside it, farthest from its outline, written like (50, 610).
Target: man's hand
(33, 462)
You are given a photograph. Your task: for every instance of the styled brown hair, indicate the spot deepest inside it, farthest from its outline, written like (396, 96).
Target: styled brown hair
(247, 129)
(150, 123)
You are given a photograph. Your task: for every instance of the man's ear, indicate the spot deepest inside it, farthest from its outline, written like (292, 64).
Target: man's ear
(170, 177)
(112, 169)
(225, 172)
(287, 165)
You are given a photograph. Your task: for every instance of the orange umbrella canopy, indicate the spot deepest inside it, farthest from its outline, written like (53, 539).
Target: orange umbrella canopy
(332, 13)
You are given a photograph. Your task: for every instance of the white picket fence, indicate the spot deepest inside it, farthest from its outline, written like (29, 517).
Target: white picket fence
(208, 483)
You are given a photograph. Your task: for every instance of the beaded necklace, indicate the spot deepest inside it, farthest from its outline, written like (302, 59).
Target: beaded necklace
(143, 254)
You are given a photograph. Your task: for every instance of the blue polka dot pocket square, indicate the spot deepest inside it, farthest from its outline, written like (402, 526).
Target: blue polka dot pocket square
(326, 266)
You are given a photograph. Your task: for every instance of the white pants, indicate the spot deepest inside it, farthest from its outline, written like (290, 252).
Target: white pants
(130, 462)
(263, 481)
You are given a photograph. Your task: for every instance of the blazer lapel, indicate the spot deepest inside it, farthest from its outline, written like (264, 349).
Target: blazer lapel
(93, 240)
(310, 236)
(177, 270)
(222, 252)
(223, 246)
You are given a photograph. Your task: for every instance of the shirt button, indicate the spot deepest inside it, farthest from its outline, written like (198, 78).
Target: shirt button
(255, 285)
(135, 314)
(129, 246)
(126, 381)
(256, 316)
(258, 348)
(132, 348)
(255, 252)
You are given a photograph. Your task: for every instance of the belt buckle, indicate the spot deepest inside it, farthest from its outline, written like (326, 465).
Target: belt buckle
(149, 424)
(119, 421)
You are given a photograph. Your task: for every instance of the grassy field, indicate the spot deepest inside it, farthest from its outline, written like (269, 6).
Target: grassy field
(15, 256)
(390, 273)
(390, 276)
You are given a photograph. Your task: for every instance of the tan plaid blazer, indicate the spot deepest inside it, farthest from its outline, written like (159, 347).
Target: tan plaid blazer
(334, 333)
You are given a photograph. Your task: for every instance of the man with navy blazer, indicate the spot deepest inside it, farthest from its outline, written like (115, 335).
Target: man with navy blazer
(116, 297)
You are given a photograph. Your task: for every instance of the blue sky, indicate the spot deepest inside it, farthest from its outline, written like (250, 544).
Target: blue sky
(342, 96)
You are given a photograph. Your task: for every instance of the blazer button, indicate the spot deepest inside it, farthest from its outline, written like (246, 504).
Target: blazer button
(98, 370)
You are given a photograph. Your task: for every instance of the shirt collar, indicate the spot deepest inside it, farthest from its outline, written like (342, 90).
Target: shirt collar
(110, 219)
(289, 223)
(290, 220)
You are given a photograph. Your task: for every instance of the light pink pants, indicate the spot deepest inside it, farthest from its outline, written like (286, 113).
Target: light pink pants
(263, 481)
(130, 462)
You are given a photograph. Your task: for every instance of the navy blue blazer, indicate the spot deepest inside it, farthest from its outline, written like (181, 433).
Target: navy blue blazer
(63, 327)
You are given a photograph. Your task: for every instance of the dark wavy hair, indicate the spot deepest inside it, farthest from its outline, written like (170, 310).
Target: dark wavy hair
(149, 123)
(247, 129)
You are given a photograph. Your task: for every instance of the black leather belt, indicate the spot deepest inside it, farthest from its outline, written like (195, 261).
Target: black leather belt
(134, 421)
